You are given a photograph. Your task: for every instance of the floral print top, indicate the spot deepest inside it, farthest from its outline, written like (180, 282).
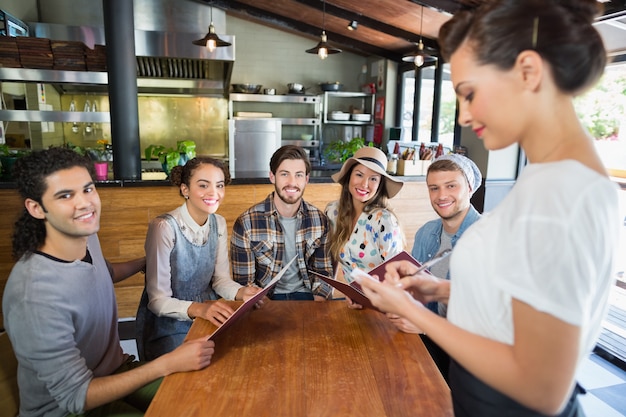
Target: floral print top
(375, 238)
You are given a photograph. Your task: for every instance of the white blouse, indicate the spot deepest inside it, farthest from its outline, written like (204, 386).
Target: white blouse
(159, 245)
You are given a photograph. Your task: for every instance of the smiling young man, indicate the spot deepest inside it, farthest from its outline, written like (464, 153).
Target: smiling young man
(451, 179)
(269, 234)
(59, 304)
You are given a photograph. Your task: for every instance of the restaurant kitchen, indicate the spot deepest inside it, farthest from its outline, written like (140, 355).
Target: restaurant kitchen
(181, 97)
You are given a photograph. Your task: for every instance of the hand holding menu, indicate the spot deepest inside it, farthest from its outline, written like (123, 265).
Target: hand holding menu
(250, 302)
(350, 291)
(353, 290)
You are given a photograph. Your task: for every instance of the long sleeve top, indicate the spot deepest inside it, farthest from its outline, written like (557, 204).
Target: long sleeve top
(61, 318)
(375, 238)
(257, 246)
(159, 244)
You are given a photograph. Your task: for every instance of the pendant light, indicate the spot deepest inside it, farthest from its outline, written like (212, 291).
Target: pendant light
(211, 40)
(323, 49)
(419, 57)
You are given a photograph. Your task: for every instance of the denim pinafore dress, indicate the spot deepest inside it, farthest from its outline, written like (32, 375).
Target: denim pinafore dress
(192, 268)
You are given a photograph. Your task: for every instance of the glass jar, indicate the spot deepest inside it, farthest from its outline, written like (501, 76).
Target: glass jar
(392, 164)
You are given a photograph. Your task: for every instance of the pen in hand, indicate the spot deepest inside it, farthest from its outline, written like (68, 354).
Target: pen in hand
(438, 257)
(358, 274)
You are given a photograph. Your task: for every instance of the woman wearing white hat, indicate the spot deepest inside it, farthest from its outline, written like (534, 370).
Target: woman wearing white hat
(365, 231)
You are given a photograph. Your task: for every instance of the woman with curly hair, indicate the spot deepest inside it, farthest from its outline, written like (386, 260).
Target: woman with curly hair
(187, 263)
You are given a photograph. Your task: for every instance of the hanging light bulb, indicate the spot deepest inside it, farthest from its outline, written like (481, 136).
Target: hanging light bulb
(323, 49)
(419, 60)
(211, 41)
(419, 57)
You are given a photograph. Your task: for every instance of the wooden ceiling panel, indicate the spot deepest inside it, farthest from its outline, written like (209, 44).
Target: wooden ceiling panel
(386, 28)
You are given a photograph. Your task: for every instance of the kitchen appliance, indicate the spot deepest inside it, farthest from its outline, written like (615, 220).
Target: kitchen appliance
(167, 62)
(336, 86)
(339, 116)
(296, 88)
(247, 88)
(12, 26)
(360, 117)
(252, 142)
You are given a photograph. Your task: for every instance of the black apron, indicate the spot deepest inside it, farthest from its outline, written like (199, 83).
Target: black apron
(473, 398)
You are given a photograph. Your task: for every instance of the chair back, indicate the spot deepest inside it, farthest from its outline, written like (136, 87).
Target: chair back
(9, 394)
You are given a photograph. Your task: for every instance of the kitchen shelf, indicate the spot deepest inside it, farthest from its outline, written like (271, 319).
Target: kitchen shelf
(54, 116)
(85, 78)
(53, 76)
(292, 121)
(298, 114)
(272, 98)
(339, 100)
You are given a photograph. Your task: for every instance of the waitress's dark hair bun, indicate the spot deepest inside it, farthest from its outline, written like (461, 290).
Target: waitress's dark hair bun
(560, 31)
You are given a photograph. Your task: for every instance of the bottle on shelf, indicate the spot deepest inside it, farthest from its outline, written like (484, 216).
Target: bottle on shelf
(439, 151)
(392, 164)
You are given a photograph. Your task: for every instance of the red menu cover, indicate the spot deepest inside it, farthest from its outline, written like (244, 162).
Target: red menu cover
(250, 302)
(402, 256)
(354, 291)
(379, 270)
(349, 290)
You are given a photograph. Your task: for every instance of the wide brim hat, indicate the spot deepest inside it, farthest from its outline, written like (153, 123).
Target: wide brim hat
(374, 159)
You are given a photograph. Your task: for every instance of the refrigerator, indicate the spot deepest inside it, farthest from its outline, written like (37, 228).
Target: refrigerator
(251, 143)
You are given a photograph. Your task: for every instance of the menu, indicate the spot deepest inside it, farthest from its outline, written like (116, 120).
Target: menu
(349, 290)
(354, 291)
(379, 270)
(250, 302)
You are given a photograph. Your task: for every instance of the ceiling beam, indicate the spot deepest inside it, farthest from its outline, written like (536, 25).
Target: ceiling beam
(447, 6)
(254, 13)
(370, 23)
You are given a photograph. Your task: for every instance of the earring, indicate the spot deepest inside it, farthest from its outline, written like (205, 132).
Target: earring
(186, 197)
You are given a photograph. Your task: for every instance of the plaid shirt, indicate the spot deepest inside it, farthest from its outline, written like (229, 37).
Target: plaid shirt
(257, 245)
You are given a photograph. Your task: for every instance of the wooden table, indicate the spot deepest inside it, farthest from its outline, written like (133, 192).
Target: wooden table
(304, 358)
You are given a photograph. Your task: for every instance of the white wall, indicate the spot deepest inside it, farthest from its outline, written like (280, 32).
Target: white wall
(25, 10)
(494, 165)
(275, 58)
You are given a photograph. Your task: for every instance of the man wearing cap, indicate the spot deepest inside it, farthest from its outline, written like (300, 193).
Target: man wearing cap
(283, 226)
(451, 179)
(365, 231)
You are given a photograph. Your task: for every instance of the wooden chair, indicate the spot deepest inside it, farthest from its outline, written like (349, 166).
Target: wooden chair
(9, 396)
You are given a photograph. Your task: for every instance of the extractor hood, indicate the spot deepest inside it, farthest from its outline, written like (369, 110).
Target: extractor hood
(170, 63)
(167, 62)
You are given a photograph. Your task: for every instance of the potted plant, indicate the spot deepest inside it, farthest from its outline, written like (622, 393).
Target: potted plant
(170, 157)
(340, 151)
(8, 157)
(101, 154)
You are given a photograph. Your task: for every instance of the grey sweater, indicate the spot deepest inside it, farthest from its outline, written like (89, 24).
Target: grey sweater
(62, 321)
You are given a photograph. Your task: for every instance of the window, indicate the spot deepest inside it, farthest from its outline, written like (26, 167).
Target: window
(446, 112)
(602, 111)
